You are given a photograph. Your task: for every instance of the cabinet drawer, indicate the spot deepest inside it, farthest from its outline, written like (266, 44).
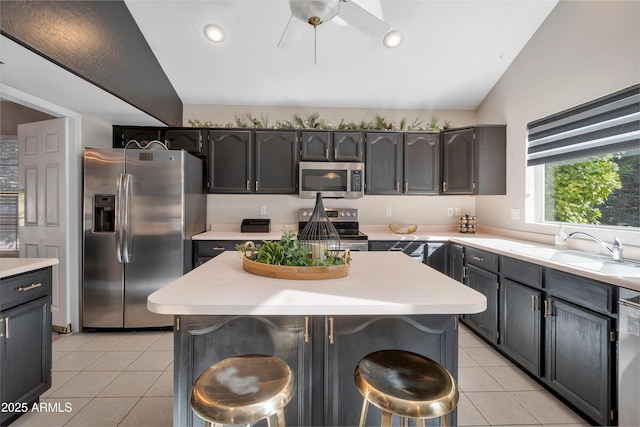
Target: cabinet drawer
(209, 248)
(25, 287)
(597, 296)
(521, 272)
(482, 259)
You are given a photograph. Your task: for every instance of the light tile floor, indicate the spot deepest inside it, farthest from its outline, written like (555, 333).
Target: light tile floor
(126, 379)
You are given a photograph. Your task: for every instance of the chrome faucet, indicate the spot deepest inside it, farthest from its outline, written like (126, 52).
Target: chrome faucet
(615, 250)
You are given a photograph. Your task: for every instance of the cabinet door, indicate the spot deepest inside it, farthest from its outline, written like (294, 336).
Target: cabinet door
(485, 282)
(383, 169)
(520, 324)
(579, 362)
(143, 135)
(204, 250)
(316, 146)
(276, 162)
(25, 354)
(190, 140)
(456, 262)
(202, 341)
(350, 338)
(421, 163)
(348, 147)
(230, 165)
(458, 162)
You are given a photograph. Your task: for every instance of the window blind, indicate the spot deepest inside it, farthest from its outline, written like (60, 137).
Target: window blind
(605, 125)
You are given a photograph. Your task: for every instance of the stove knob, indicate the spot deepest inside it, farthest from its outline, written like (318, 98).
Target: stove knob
(304, 214)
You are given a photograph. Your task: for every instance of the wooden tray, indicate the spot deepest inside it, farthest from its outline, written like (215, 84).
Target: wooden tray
(297, 273)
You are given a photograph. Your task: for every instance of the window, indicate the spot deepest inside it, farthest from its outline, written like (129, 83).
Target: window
(586, 162)
(9, 194)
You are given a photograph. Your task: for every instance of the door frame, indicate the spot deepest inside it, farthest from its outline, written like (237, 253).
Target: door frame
(73, 185)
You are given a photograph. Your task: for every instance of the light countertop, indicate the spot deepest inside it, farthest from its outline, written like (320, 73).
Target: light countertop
(496, 244)
(378, 283)
(13, 266)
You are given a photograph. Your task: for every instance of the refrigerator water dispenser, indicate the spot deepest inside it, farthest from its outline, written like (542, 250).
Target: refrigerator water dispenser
(104, 210)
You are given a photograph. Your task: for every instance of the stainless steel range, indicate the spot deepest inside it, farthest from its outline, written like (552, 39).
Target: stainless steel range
(345, 220)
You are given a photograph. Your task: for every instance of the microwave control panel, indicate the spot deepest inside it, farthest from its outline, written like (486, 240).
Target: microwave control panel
(356, 180)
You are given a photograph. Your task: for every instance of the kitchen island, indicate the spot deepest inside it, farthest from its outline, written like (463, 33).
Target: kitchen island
(321, 328)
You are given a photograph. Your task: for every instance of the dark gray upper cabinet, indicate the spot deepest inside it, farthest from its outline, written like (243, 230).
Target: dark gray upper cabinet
(474, 160)
(383, 169)
(143, 135)
(276, 162)
(327, 146)
(230, 161)
(348, 146)
(421, 163)
(192, 140)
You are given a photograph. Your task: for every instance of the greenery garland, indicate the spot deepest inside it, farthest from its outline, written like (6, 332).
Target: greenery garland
(313, 121)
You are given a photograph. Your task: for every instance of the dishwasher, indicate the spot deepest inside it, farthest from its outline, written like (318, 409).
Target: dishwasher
(629, 360)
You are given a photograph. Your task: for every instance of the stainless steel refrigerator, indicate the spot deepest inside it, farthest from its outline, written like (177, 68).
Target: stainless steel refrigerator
(141, 208)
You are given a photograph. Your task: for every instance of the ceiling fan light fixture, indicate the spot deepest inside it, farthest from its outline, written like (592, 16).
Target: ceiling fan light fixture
(215, 33)
(314, 12)
(392, 39)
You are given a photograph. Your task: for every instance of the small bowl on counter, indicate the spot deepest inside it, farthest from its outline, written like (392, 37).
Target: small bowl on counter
(403, 228)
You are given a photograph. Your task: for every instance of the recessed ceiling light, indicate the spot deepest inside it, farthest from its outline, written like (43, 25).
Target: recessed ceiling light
(214, 33)
(392, 39)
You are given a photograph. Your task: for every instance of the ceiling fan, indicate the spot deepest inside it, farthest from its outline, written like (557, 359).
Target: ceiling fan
(315, 12)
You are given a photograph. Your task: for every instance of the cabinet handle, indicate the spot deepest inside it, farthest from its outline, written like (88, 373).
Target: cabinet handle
(326, 153)
(465, 272)
(533, 303)
(248, 189)
(548, 309)
(306, 328)
(216, 248)
(444, 187)
(257, 185)
(330, 329)
(397, 186)
(396, 249)
(28, 288)
(335, 153)
(6, 328)
(406, 186)
(477, 258)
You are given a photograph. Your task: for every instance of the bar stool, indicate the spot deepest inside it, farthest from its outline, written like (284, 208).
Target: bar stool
(242, 390)
(405, 384)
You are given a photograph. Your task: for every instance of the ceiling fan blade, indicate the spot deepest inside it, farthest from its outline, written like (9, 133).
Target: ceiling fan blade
(292, 33)
(362, 20)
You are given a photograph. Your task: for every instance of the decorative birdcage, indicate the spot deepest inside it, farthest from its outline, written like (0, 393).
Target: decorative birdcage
(319, 236)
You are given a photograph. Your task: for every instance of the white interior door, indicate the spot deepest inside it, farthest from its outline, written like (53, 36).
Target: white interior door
(42, 230)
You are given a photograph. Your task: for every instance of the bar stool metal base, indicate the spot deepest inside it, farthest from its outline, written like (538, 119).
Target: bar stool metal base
(405, 384)
(242, 390)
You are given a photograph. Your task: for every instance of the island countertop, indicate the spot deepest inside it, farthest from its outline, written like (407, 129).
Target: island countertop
(378, 283)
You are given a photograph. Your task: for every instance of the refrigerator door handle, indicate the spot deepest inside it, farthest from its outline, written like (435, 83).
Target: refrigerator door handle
(127, 247)
(119, 207)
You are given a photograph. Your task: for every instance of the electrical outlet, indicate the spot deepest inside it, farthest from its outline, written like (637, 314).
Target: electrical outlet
(449, 211)
(263, 210)
(387, 211)
(515, 214)
(457, 211)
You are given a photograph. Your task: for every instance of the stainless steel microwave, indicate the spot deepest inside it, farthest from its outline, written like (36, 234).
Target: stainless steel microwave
(333, 179)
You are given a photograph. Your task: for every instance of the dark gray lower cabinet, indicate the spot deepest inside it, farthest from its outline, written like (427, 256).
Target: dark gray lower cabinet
(204, 250)
(322, 351)
(485, 323)
(580, 358)
(25, 341)
(520, 324)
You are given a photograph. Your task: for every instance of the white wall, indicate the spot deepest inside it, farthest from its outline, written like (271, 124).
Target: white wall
(583, 50)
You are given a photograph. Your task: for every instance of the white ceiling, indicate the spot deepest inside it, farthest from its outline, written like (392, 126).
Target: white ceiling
(452, 55)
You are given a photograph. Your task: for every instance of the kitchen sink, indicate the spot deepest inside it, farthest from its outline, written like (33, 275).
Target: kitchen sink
(584, 260)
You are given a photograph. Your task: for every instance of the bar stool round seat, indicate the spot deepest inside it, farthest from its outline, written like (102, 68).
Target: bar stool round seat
(242, 390)
(405, 384)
